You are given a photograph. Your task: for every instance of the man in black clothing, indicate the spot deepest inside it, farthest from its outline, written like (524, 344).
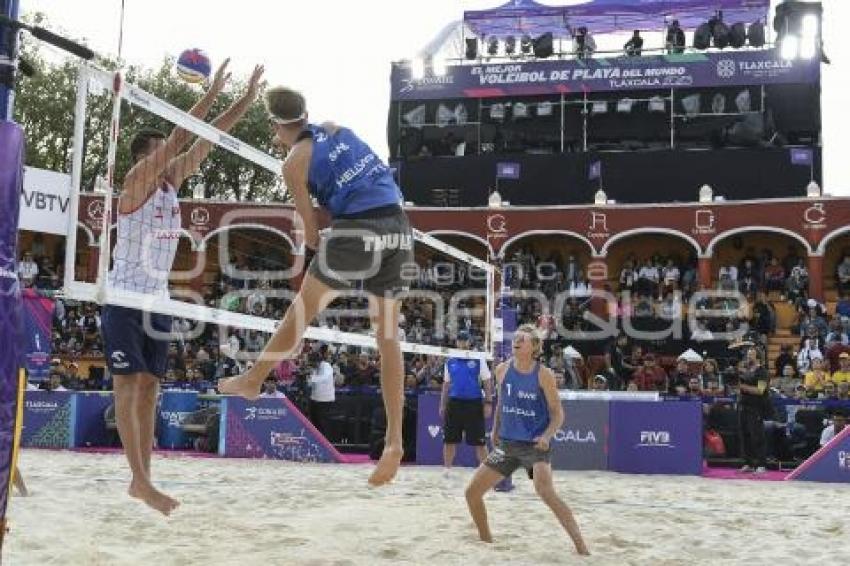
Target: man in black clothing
(675, 38)
(753, 405)
(634, 46)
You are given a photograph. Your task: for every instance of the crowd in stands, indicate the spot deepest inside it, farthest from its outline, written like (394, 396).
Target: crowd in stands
(653, 292)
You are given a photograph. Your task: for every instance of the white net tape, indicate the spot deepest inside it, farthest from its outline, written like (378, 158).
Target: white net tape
(104, 293)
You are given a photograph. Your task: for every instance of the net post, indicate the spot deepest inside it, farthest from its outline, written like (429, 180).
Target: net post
(76, 176)
(105, 232)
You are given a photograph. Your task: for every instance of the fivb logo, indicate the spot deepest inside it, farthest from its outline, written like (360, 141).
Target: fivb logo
(655, 438)
(433, 430)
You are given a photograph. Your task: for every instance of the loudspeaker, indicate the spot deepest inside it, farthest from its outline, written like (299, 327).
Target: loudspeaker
(471, 48)
(756, 34)
(702, 36)
(721, 35)
(544, 46)
(738, 35)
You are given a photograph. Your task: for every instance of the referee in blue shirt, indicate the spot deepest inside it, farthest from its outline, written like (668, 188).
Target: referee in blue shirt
(465, 404)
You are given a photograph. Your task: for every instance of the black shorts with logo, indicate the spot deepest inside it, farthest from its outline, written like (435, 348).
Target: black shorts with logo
(372, 247)
(512, 455)
(465, 418)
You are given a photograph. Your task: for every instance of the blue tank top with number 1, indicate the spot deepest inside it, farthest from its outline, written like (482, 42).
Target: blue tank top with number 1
(524, 411)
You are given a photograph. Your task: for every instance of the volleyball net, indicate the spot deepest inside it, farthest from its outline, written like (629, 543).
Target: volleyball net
(241, 278)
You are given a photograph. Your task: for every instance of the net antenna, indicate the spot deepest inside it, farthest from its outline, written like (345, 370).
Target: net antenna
(101, 293)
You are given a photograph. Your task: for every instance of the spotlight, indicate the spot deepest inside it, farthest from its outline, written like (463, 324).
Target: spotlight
(706, 193)
(417, 68)
(600, 198)
(813, 190)
(493, 46)
(599, 107)
(810, 25)
(624, 105)
(525, 44)
(510, 45)
(471, 48)
(789, 46)
(438, 67)
(543, 46)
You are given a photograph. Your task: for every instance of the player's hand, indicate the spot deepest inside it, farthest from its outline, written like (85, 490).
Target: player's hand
(254, 82)
(541, 443)
(222, 75)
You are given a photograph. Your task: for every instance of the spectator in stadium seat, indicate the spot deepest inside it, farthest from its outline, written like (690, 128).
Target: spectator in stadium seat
(836, 335)
(628, 277)
(27, 270)
(843, 390)
(817, 377)
(839, 421)
(842, 275)
(809, 352)
(711, 380)
(54, 382)
(842, 374)
(694, 389)
(774, 276)
(842, 307)
(648, 278)
(599, 383)
(786, 357)
(650, 377)
(789, 379)
(797, 285)
(270, 390)
(830, 392)
(675, 40)
(679, 378)
(701, 333)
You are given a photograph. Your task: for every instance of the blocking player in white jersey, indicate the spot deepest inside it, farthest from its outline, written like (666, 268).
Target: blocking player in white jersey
(149, 223)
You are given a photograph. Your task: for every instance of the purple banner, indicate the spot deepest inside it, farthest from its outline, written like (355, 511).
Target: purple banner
(271, 428)
(37, 335)
(429, 435)
(732, 68)
(49, 419)
(582, 442)
(90, 426)
(174, 407)
(11, 184)
(656, 438)
(829, 464)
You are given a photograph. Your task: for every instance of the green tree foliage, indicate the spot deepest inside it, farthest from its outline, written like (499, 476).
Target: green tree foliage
(44, 106)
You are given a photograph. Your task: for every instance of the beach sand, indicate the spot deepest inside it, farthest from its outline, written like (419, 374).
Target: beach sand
(248, 512)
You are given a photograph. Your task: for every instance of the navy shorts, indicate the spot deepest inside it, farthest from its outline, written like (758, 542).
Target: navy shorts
(128, 343)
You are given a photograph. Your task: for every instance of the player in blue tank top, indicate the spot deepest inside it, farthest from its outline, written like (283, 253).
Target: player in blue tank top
(369, 244)
(528, 413)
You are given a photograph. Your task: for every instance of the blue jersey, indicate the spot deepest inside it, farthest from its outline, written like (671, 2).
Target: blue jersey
(463, 377)
(346, 176)
(524, 411)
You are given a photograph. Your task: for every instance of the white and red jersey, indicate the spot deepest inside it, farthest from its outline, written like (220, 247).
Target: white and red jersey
(146, 243)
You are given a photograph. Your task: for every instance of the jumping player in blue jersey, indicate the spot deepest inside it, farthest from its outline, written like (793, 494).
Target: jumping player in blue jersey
(528, 413)
(370, 240)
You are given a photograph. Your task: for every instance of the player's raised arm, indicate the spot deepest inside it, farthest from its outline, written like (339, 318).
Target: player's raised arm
(189, 162)
(154, 155)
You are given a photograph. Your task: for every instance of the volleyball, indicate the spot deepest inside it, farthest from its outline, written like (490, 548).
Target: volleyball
(194, 66)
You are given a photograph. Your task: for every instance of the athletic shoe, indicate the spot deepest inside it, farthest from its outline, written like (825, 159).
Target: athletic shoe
(746, 469)
(760, 470)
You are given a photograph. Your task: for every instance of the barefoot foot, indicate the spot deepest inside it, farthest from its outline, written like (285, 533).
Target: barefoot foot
(240, 385)
(152, 497)
(387, 466)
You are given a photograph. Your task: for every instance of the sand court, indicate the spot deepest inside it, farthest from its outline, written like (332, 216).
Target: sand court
(273, 512)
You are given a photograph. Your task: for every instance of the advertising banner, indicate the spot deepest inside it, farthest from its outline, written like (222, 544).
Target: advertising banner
(90, 428)
(271, 428)
(174, 407)
(49, 419)
(37, 318)
(829, 464)
(655, 72)
(582, 442)
(44, 201)
(656, 438)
